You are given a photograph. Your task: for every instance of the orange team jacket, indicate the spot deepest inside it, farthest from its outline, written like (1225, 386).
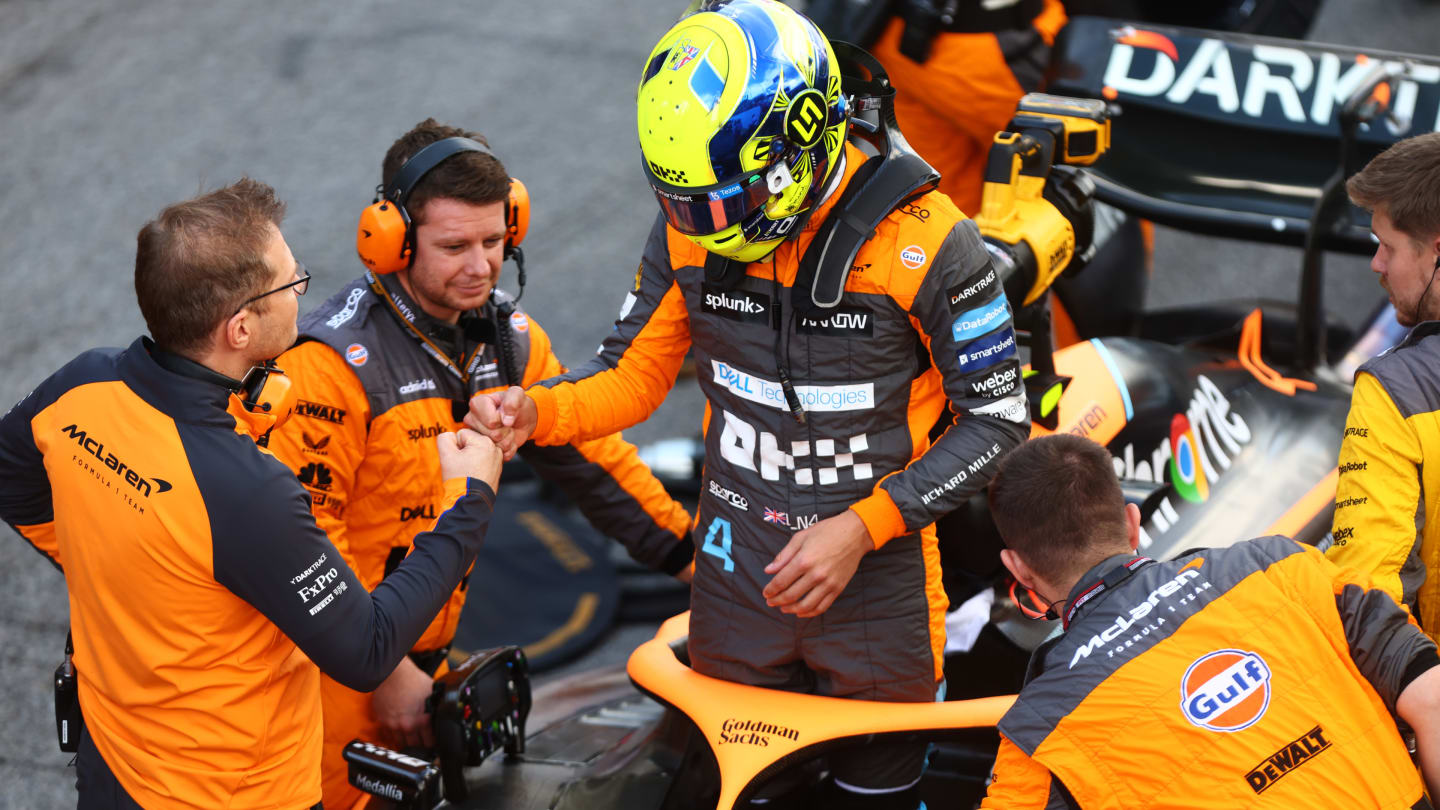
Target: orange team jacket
(372, 396)
(1259, 675)
(200, 588)
(952, 105)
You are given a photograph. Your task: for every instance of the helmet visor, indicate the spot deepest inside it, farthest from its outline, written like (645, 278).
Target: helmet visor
(702, 211)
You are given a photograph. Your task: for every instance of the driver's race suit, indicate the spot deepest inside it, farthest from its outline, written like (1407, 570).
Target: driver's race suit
(373, 393)
(923, 324)
(1259, 675)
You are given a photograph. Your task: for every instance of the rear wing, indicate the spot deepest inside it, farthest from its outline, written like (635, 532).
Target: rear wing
(1236, 135)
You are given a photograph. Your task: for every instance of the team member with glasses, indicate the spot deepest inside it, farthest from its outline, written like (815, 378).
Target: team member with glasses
(202, 594)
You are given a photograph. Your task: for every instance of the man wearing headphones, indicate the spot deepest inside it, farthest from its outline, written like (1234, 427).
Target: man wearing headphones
(1385, 503)
(200, 588)
(391, 360)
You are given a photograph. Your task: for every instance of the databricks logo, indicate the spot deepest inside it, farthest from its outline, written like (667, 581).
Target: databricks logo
(1226, 690)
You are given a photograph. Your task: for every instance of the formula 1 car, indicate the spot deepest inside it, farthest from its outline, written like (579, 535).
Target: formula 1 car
(1212, 440)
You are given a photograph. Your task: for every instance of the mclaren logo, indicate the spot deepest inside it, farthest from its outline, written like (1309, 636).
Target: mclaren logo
(1131, 619)
(96, 448)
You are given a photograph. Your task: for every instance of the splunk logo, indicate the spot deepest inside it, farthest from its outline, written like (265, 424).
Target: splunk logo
(96, 448)
(1227, 690)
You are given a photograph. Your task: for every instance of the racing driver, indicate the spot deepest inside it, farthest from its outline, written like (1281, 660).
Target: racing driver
(816, 565)
(387, 363)
(1259, 675)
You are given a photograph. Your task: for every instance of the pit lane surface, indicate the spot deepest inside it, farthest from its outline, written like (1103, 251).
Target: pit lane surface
(109, 111)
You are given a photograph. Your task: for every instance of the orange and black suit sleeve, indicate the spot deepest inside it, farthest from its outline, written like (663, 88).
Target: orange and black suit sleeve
(1020, 783)
(637, 364)
(25, 498)
(269, 551)
(614, 489)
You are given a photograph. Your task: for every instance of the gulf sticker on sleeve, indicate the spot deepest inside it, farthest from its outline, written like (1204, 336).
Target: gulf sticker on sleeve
(357, 354)
(987, 350)
(519, 322)
(976, 322)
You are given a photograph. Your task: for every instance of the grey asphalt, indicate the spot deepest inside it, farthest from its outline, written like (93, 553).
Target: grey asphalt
(109, 111)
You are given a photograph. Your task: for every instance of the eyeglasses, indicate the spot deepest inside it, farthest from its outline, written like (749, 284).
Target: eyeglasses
(300, 285)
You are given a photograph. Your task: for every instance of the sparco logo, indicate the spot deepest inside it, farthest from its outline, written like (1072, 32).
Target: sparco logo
(737, 305)
(417, 385)
(1136, 613)
(731, 497)
(754, 732)
(94, 447)
(352, 303)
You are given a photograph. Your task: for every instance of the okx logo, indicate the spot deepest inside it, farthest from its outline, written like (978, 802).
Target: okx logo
(1226, 690)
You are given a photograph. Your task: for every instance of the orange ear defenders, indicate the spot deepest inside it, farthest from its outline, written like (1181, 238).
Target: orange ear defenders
(384, 237)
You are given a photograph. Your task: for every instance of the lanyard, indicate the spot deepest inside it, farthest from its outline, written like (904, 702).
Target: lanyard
(1117, 575)
(394, 298)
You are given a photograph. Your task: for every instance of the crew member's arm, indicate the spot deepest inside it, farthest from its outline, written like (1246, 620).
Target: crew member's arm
(25, 498)
(1020, 783)
(323, 441)
(959, 310)
(1419, 706)
(622, 385)
(1379, 511)
(614, 489)
(269, 552)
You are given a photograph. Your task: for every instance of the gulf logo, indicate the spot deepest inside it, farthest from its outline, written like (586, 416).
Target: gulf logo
(519, 322)
(357, 354)
(1226, 690)
(913, 257)
(1185, 471)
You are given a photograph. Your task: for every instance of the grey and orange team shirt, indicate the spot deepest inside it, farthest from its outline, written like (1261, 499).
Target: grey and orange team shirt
(1260, 675)
(375, 383)
(200, 588)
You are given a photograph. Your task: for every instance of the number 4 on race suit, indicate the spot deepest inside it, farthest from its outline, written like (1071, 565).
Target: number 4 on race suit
(720, 527)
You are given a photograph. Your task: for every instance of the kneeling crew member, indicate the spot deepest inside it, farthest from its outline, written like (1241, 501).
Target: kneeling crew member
(201, 590)
(1259, 675)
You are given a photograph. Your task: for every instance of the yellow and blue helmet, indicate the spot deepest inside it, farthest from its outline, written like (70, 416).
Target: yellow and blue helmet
(742, 122)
